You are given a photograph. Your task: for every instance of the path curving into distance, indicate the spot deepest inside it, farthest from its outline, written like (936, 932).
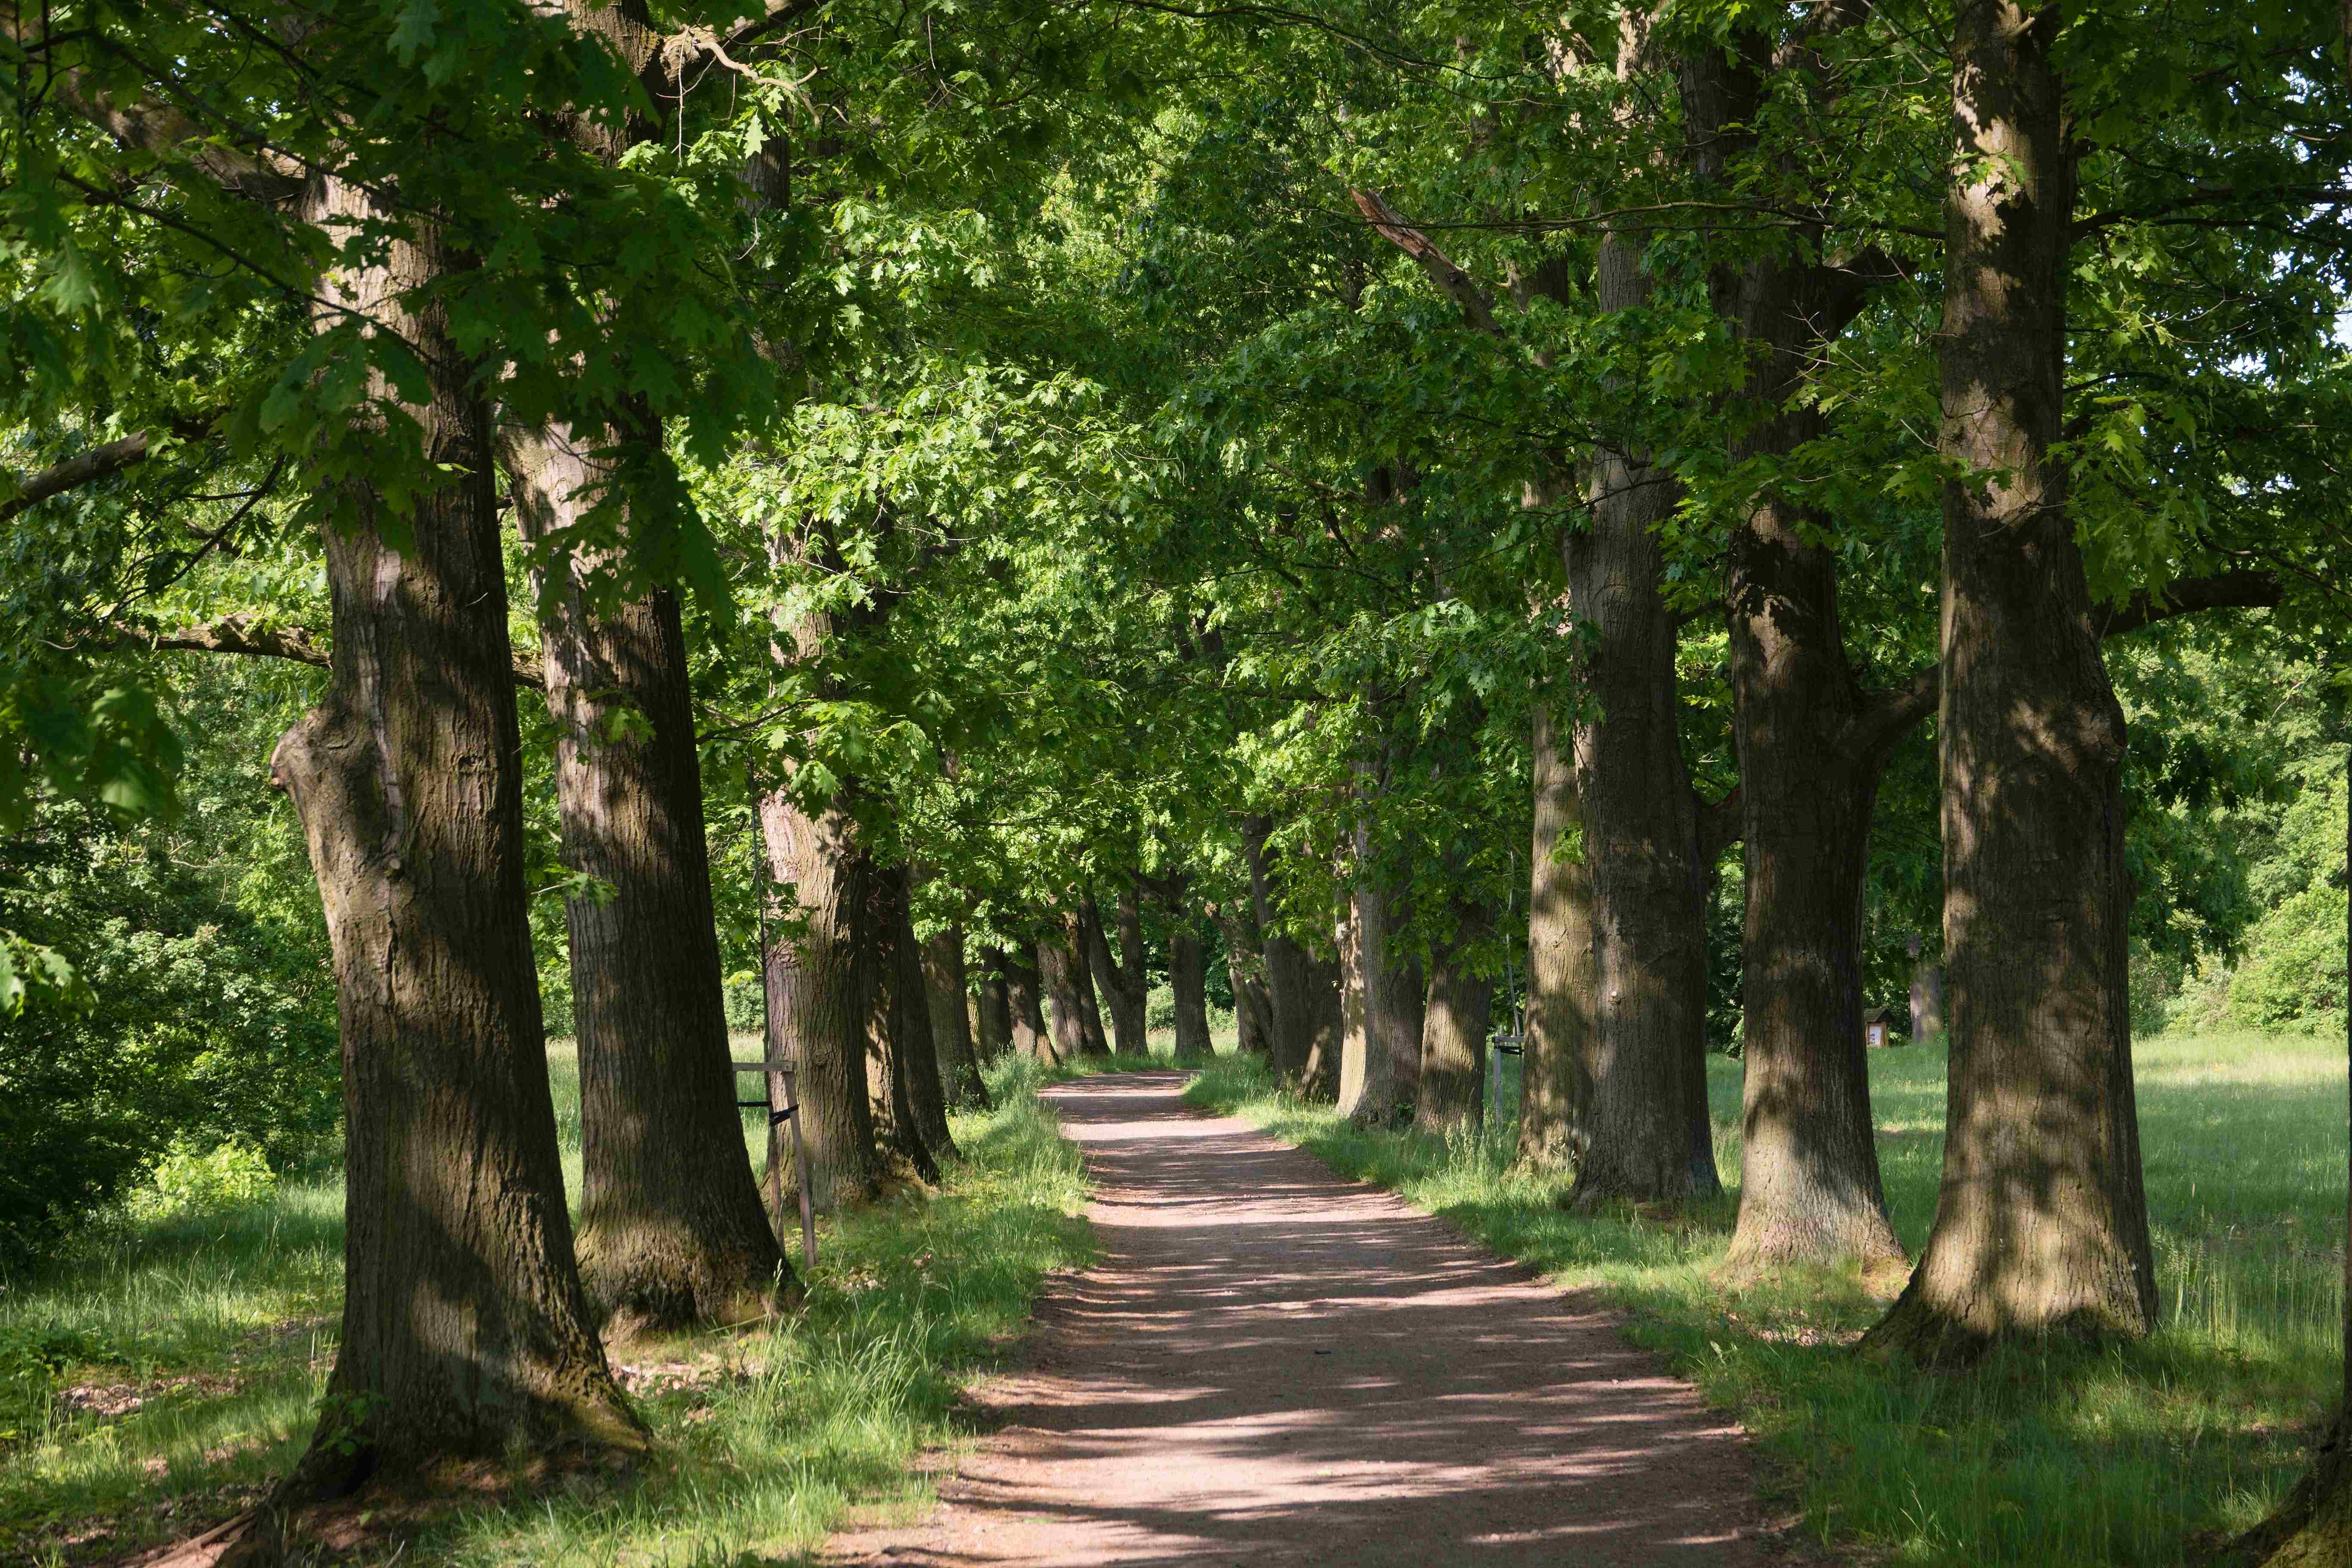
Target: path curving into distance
(1273, 1365)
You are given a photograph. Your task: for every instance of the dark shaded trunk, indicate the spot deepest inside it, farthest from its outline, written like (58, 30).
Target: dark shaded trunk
(816, 1010)
(1456, 1019)
(1120, 974)
(1188, 980)
(672, 1233)
(1095, 1039)
(913, 1034)
(896, 1014)
(1245, 977)
(465, 1331)
(2041, 1224)
(1554, 1065)
(1026, 987)
(951, 1024)
(1057, 961)
(1645, 1135)
(993, 1023)
(1323, 1000)
(1293, 988)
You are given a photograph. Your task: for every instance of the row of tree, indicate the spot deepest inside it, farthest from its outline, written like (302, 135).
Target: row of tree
(1053, 486)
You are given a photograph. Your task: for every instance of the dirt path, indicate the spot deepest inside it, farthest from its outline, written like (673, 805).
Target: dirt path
(1272, 1366)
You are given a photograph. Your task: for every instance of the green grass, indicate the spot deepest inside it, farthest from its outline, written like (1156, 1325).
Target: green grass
(767, 1439)
(2053, 1456)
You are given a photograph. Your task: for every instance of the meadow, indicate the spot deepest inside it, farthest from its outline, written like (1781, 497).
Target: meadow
(159, 1377)
(2057, 1456)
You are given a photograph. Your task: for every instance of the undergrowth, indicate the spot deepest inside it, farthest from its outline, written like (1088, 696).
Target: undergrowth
(162, 1376)
(2056, 1455)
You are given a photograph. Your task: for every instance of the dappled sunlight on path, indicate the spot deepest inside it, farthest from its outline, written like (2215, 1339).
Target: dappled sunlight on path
(1271, 1364)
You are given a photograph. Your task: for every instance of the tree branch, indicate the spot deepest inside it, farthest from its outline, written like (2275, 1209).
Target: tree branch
(1477, 306)
(87, 468)
(2222, 591)
(240, 635)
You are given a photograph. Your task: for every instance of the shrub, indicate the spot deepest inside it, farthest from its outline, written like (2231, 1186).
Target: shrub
(186, 1184)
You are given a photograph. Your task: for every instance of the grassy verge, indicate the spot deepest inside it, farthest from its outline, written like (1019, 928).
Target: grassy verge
(2058, 1456)
(160, 1378)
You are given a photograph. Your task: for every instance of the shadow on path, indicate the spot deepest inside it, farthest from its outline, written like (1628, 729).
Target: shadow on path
(1271, 1364)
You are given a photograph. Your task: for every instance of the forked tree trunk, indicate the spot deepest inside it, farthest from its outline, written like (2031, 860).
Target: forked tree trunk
(1645, 1133)
(1091, 1032)
(465, 1331)
(1454, 1025)
(1120, 974)
(1058, 963)
(952, 1022)
(672, 1233)
(816, 1014)
(995, 1019)
(2041, 1224)
(1025, 985)
(1554, 1082)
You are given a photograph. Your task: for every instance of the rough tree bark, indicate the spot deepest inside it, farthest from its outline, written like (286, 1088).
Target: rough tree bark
(1245, 977)
(1380, 1061)
(1057, 961)
(1458, 1014)
(1645, 1134)
(1188, 980)
(1554, 1086)
(952, 1025)
(465, 1331)
(2041, 1223)
(913, 1035)
(1091, 1034)
(817, 1016)
(1293, 988)
(672, 1232)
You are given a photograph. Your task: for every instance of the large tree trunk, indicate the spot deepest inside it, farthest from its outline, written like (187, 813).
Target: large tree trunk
(672, 1233)
(1094, 1040)
(2042, 1225)
(816, 1012)
(1645, 1134)
(1057, 960)
(1323, 1002)
(465, 1331)
(1455, 1022)
(945, 978)
(995, 1022)
(1025, 982)
(1120, 974)
(1188, 980)
(1292, 990)
(1554, 1063)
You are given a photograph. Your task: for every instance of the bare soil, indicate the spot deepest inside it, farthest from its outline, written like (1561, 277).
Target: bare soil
(1272, 1364)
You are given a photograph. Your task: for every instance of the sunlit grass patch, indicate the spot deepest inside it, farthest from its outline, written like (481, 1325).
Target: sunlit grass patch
(2052, 1454)
(218, 1336)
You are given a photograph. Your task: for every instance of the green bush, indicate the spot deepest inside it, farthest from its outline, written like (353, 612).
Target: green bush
(186, 1184)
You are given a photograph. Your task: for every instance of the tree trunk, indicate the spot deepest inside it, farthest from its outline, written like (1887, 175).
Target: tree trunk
(1646, 1135)
(1058, 958)
(947, 982)
(465, 1331)
(1380, 1066)
(913, 1035)
(1555, 1086)
(672, 1232)
(2042, 1225)
(1188, 979)
(994, 1025)
(897, 1016)
(1245, 976)
(1120, 974)
(1455, 1023)
(1026, 985)
(1091, 1019)
(816, 1012)
(1322, 999)
(1293, 993)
